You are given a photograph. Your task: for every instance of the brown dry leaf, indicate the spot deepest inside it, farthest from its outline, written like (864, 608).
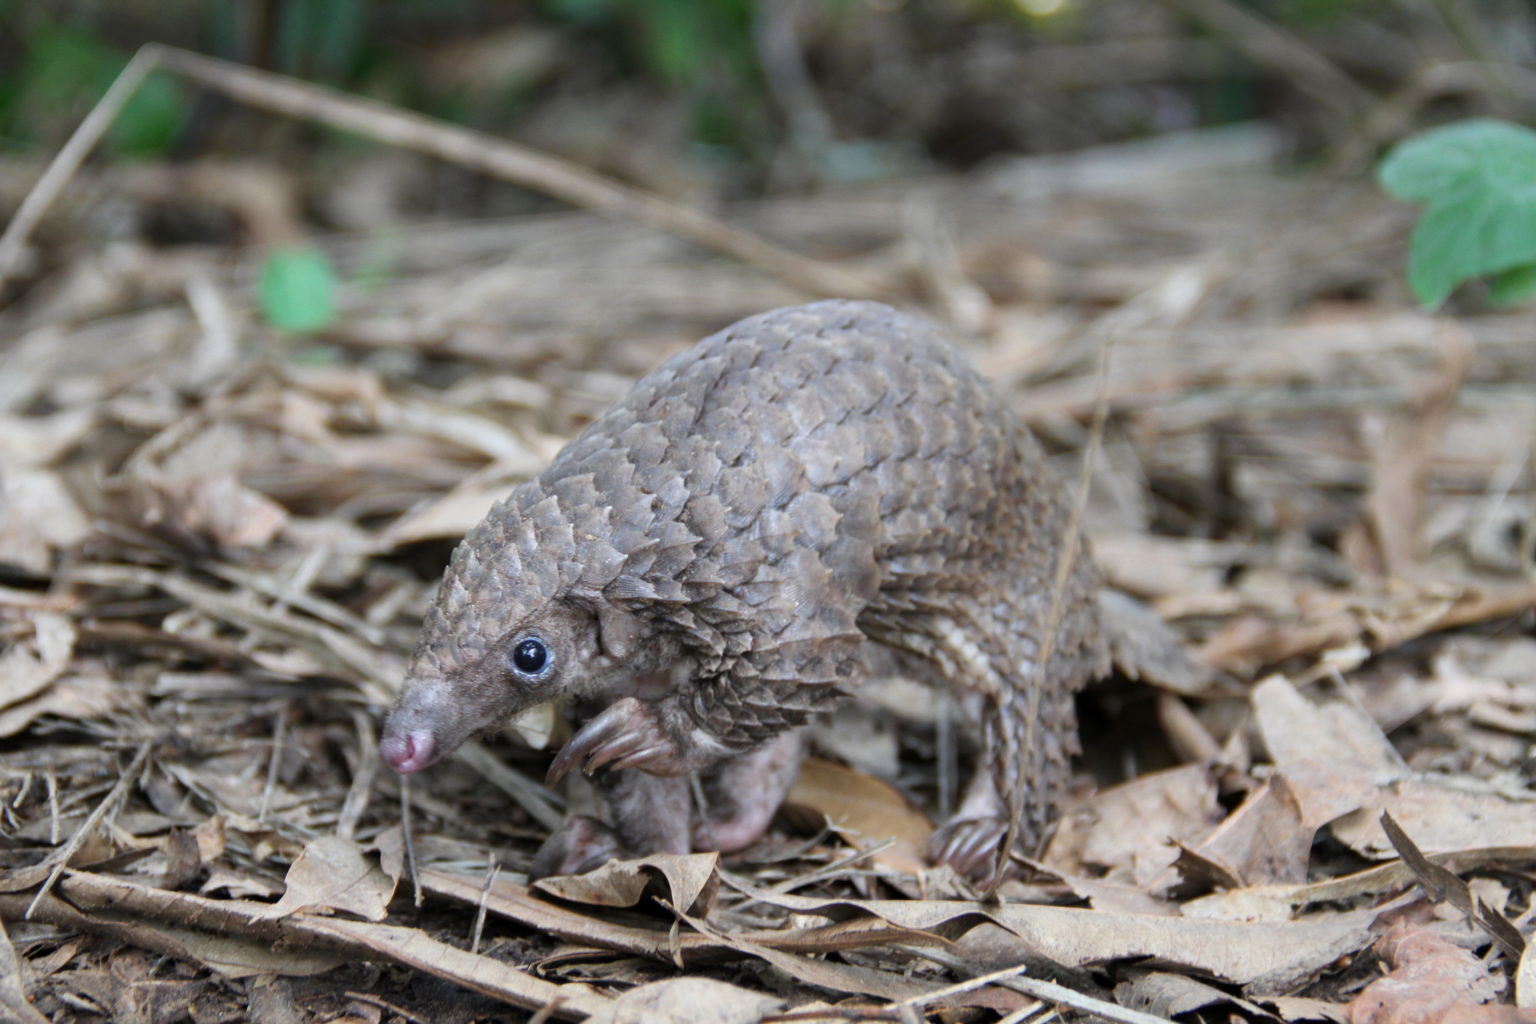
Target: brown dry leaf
(781, 948)
(1491, 681)
(1301, 1008)
(1153, 567)
(87, 893)
(1381, 620)
(1168, 995)
(215, 510)
(234, 955)
(690, 881)
(13, 996)
(1262, 842)
(515, 902)
(90, 694)
(813, 970)
(38, 516)
(1333, 756)
(687, 1001)
(42, 440)
(1443, 886)
(1129, 830)
(29, 667)
(864, 811)
(1443, 814)
(1279, 902)
(1431, 982)
(333, 874)
(1265, 954)
(450, 516)
(1345, 773)
(1386, 543)
(518, 903)
(1525, 978)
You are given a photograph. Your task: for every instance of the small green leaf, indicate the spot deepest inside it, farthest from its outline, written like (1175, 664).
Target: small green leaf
(150, 121)
(1514, 285)
(298, 289)
(1479, 179)
(1440, 161)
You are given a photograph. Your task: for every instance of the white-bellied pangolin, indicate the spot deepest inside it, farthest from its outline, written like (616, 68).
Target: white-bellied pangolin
(708, 563)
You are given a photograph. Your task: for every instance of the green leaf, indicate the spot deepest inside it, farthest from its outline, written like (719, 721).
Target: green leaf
(150, 121)
(1435, 163)
(1514, 285)
(298, 289)
(64, 63)
(1479, 179)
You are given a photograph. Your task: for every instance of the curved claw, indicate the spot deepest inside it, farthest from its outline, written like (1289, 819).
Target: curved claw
(625, 736)
(970, 845)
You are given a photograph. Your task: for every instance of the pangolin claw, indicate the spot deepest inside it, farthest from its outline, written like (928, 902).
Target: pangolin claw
(626, 735)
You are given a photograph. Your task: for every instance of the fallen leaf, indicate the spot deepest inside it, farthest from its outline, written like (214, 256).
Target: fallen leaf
(1263, 841)
(1332, 757)
(1386, 543)
(1270, 954)
(1431, 982)
(408, 947)
(687, 1001)
(1443, 814)
(74, 697)
(689, 881)
(14, 1005)
(864, 811)
(1444, 886)
(38, 516)
(28, 667)
(333, 874)
(1168, 995)
(1130, 829)
(1279, 902)
(214, 510)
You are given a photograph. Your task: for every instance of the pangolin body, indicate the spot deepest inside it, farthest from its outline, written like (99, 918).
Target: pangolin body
(706, 565)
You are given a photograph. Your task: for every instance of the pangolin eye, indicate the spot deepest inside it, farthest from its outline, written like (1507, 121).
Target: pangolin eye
(529, 656)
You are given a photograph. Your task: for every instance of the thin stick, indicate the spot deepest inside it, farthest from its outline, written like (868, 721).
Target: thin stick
(895, 1009)
(361, 791)
(492, 869)
(1060, 994)
(547, 1010)
(60, 857)
(1039, 988)
(68, 160)
(1036, 1009)
(53, 806)
(274, 761)
(410, 842)
(969, 985)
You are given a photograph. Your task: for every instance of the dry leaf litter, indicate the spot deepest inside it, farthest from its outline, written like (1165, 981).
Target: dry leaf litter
(217, 543)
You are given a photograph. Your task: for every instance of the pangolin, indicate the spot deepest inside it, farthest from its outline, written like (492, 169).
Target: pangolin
(716, 559)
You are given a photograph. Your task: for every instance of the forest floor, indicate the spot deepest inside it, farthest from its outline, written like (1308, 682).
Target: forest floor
(218, 542)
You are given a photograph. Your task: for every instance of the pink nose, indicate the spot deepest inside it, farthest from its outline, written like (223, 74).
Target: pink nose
(408, 752)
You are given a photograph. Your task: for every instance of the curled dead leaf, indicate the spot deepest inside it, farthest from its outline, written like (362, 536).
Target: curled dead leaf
(864, 811)
(687, 881)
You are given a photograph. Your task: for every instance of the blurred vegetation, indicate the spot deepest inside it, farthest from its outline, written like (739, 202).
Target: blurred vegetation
(861, 86)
